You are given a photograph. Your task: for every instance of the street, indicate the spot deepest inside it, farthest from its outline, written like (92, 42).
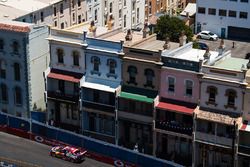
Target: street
(240, 48)
(24, 150)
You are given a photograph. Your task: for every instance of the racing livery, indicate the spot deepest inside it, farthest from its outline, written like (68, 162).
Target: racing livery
(68, 153)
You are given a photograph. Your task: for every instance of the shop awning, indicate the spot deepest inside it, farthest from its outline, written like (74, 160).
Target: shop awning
(185, 109)
(98, 86)
(138, 94)
(65, 75)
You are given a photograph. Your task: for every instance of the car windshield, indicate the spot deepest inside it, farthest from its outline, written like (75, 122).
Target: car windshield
(211, 33)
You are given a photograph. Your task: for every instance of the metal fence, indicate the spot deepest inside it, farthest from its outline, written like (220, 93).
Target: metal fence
(93, 145)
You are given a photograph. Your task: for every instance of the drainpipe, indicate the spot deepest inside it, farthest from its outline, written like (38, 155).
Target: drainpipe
(233, 144)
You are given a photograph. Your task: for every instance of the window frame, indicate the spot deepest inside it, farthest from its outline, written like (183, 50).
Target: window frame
(212, 11)
(60, 55)
(230, 13)
(241, 16)
(187, 87)
(201, 10)
(76, 57)
(4, 93)
(17, 71)
(149, 74)
(171, 89)
(18, 96)
(221, 12)
(132, 71)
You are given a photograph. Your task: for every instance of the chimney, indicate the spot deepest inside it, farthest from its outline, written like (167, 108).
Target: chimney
(167, 44)
(128, 36)
(182, 39)
(92, 28)
(110, 23)
(145, 31)
(207, 54)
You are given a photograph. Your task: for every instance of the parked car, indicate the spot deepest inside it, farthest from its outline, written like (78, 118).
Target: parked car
(207, 35)
(202, 46)
(68, 153)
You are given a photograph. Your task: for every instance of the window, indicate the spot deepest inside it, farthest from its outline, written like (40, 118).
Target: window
(96, 62)
(17, 71)
(60, 54)
(243, 15)
(76, 56)
(124, 21)
(42, 19)
(125, 2)
(55, 23)
(79, 3)
(232, 13)
(133, 6)
(54, 11)
(1, 44)
(149, 77)
(2, 69)
(212, 91)
(62, 25)
(110, 7)
(18, 96)
(96, 15)
(189, 87)
(73, 4)
(61, 86)
(150, 7)
(4, 93)
(73, 17)
(171, 84)
(246, 1)
(120, 13)
(138, 15)
(231, 95)
(79, 19)
(15, 47)
(132, 70)
(61, 8)
(222, 12)
(211, 11)
(201, 10)
(112, 65)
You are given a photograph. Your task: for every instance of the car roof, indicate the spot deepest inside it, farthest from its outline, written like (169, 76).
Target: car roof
(206, 31)
(71, 149)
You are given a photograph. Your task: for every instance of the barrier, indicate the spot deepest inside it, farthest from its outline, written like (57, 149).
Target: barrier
(99, 150)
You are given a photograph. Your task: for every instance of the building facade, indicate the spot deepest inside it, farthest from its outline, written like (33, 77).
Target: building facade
(178, 98)
(218, 118)
(228, 19)
(62, 78)
(23, 57)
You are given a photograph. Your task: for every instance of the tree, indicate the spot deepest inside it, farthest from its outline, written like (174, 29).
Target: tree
(172, 27)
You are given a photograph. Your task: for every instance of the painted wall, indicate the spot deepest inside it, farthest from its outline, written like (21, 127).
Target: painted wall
(180, 87)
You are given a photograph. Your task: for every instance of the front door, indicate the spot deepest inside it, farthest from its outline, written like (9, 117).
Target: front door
(223, 32)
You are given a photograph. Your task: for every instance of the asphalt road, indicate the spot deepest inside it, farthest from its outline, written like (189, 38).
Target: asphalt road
(24, 150)
(240, 49)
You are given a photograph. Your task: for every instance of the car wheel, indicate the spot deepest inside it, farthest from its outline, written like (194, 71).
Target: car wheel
(211, 39)
(199, 37)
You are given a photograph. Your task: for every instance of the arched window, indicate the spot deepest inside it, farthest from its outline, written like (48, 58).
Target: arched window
(231, 95)
(18, 96)
(149, 73)
(212, 91)
(112, 65)
(76, 56)
(4, 93)
(96, 62)
(132, 70)
(60, 54)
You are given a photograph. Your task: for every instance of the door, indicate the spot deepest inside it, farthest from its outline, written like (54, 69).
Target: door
(223, 32)
(61, 86)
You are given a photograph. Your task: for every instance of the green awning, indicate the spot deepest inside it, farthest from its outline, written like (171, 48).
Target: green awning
(138, 94)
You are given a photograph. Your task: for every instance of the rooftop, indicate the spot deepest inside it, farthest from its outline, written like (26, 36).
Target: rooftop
(8, 25)
(187, 52)
(12, 9)
(80, 28)
(232, 63)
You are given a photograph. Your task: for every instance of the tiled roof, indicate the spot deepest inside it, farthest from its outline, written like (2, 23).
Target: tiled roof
(8, 27)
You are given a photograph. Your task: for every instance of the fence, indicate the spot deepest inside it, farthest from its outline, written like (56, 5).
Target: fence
(42, 131)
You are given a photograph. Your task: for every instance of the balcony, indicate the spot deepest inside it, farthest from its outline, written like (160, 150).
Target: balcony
(57, 95)
(174, 127)
(211, 138)
(98, 106)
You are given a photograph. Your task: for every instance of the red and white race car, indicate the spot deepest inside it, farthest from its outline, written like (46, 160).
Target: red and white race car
(68, 153)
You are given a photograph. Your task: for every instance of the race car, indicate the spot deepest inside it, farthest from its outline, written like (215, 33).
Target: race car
(68, 153)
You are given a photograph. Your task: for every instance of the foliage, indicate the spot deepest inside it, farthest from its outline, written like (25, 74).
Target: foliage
(172, 27)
